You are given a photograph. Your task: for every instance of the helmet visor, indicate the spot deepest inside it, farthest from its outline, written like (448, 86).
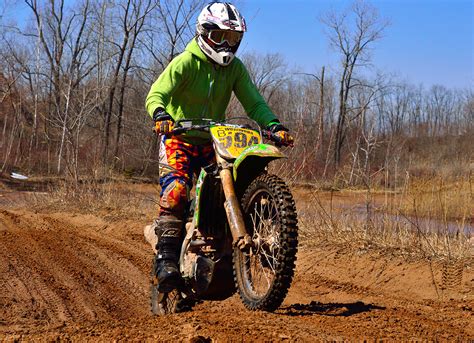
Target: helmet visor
(220, 36)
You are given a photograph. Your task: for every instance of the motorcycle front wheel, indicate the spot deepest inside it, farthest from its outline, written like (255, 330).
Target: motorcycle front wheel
(263, 274)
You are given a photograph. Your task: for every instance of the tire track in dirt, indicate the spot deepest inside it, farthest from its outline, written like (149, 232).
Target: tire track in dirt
(110, 239)
(105, 264)
(77, 277)
(67, 271)
(30, 273)
(124, 264)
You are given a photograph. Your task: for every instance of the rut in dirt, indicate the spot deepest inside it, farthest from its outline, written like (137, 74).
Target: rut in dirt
(56, 272)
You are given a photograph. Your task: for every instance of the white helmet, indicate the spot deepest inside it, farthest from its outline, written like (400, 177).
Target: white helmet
(220, 29)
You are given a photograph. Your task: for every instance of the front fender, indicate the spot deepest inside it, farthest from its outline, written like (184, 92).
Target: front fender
(261, 154)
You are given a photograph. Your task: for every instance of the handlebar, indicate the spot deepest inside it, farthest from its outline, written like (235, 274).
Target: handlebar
(188, 126)
(180, 130)
(205, 128)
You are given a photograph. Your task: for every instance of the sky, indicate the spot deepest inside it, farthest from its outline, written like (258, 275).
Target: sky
(427, 42)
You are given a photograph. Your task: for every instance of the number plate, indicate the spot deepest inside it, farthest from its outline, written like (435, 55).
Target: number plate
(231, 141)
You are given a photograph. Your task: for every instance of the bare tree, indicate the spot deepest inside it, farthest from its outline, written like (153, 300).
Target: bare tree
(64, 39)
(351, 33)
(363, 100)
(321, 106)
(268, 72)
(132, 14)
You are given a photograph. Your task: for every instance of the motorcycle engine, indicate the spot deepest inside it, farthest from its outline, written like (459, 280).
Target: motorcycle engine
(203, 272)
(199, 270)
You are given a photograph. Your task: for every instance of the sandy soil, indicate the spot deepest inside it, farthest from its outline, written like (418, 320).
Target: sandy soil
(71, 276)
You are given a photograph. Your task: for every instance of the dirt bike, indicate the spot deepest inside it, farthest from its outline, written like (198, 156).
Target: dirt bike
(241, 233)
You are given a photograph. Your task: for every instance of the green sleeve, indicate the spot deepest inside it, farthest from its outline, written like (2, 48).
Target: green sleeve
(250, 98)
(166, 84)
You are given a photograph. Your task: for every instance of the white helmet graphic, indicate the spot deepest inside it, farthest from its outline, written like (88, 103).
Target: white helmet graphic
(220, 29)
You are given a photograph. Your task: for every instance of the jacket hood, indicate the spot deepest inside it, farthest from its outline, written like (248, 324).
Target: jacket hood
(194, 48)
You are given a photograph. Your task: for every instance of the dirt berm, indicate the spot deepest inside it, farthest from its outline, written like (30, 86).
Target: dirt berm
(67, 276)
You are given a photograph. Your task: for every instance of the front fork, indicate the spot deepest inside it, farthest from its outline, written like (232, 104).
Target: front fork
(232, 207)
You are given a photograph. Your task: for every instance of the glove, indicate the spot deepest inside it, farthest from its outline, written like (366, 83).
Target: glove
(280, 134)
(164, 123)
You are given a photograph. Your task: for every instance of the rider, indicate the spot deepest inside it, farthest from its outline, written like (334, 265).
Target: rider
(198, 83)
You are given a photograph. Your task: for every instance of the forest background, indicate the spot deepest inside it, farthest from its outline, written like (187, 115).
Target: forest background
(74, 76)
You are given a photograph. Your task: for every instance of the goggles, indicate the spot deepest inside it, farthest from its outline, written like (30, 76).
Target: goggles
(220, 36)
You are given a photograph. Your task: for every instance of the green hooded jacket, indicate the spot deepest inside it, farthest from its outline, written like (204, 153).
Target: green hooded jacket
(193, 87)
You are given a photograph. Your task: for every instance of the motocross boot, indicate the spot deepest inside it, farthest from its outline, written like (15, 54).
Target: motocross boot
(167, 271)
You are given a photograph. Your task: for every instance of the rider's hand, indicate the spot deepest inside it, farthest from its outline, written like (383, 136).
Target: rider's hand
(164, 123)
(280, 134)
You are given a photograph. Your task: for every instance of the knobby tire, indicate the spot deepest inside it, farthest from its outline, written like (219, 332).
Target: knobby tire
(267, 187)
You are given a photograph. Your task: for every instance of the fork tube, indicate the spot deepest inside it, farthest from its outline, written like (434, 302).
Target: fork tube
(232, 209)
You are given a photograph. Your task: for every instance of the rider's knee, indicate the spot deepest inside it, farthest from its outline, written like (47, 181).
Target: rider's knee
(174, 198)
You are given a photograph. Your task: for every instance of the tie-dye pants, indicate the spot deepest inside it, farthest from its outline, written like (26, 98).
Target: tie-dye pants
(187, 159)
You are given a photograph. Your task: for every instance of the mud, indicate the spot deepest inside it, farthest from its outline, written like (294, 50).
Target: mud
(71, 276)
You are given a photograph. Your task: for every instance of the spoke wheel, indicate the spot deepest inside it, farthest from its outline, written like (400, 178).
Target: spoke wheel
(264, 273)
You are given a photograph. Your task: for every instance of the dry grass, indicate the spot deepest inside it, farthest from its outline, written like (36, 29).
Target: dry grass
(439, 198)
(115, 199)
(427, 219)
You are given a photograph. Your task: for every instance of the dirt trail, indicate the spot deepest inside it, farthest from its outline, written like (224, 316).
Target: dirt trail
(76, 276)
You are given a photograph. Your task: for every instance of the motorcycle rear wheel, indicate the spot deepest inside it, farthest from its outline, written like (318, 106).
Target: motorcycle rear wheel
(264, 273)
